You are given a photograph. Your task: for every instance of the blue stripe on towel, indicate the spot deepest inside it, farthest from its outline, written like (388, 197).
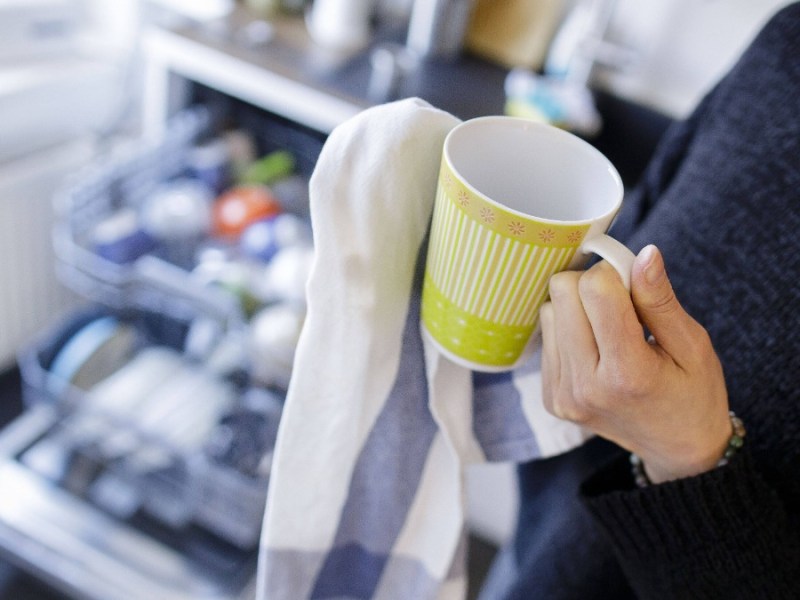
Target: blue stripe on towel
(389, 469)
(499, 423)
(350, 571)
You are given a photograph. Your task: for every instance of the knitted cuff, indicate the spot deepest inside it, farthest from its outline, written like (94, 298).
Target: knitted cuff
(696, 537)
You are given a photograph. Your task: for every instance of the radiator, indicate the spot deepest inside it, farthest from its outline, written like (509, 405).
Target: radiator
(31, 297)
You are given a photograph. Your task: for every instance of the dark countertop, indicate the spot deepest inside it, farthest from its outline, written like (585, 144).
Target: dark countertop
(296, 69)
(466, 86)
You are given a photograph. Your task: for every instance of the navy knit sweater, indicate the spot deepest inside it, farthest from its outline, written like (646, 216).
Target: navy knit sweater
(721, 198)
(722, 201)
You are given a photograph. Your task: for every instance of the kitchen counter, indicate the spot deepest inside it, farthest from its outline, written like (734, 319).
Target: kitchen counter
(276, 66)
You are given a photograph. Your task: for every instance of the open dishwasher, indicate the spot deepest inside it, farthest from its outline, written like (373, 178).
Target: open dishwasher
(140, 465)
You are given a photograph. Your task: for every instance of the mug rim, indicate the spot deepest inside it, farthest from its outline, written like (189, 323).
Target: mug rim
(552, 130)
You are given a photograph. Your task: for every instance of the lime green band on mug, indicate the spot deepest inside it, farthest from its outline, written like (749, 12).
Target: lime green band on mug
(470, 337)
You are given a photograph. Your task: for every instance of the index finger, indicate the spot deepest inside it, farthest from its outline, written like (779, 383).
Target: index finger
(575, 340)
(610, 311)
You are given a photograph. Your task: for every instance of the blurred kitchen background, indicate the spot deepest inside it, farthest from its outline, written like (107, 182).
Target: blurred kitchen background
(154, 241)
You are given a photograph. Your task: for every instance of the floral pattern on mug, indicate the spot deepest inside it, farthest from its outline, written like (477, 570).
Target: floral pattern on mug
(516, 228)
(506, 222)
(547, 235)
(576, 236)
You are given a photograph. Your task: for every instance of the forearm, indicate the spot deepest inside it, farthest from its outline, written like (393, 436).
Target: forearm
(723, 534)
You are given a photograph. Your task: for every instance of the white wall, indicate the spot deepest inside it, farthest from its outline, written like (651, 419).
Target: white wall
(112, 27)
(682, 46)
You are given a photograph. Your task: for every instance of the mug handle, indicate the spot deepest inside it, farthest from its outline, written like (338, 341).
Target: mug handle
(614, 252)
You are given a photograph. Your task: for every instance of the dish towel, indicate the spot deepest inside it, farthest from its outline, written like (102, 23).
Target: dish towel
(366, 497)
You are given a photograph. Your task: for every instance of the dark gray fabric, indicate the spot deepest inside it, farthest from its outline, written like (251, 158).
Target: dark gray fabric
(722, 200)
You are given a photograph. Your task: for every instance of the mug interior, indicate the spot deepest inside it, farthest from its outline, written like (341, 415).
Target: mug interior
(535, 169)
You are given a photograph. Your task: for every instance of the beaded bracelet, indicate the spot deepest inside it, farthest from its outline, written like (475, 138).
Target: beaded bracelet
(735, 442)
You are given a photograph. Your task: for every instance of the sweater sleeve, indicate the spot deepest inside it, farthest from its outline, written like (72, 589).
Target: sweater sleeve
(722, 534)
(722, 203)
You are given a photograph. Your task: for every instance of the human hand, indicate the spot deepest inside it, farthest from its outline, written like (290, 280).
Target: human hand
(666, 399)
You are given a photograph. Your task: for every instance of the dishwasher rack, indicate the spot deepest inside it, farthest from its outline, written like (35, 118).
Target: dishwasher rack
(127, 178)
(137, 464)
(127, 461)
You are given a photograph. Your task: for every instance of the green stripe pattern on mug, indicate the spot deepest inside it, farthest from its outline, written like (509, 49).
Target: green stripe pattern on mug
(487, 273)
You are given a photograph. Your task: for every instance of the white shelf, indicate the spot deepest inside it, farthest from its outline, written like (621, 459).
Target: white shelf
(257, 78)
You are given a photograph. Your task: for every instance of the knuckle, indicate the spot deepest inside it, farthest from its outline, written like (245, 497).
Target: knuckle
(699, 345)
(551, 405)
(571, 411)
(584, 391)
(579, 416)
(595, 282)
(579, 405)
(562, 283)
(623, 382)
(564, 405)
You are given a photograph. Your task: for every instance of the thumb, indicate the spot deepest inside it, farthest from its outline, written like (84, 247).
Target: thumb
(656, 304)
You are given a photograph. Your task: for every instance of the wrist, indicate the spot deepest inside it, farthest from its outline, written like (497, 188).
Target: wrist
(647, 471)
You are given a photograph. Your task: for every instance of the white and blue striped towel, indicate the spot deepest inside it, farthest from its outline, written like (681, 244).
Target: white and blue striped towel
(366, 497)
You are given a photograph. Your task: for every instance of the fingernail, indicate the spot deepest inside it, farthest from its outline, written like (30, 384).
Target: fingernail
(652, 265)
